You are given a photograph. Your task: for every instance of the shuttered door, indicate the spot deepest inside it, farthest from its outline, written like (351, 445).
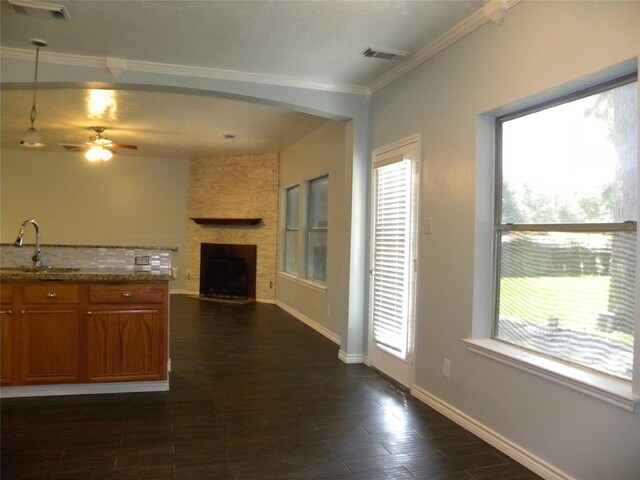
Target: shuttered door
(392, 255)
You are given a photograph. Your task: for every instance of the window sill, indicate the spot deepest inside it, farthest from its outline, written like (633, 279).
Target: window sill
(288, 276)
(608, 389)
(320, 287)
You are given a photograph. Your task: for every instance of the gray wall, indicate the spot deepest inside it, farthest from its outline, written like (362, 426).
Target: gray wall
(539, 47)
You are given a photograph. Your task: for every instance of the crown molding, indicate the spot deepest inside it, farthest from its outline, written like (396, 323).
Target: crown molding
(117, 65)
(462, 29)
(178, 70)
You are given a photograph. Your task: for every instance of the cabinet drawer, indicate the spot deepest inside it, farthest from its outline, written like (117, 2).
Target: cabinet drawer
(6, 293)
(119, 293)
(51, 293)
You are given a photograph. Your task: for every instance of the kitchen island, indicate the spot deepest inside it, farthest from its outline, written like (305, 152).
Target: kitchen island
(75, 330)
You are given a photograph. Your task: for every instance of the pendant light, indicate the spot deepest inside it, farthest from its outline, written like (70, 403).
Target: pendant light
(32, 138)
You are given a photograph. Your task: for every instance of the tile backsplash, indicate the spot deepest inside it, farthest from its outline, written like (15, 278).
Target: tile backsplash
(92, 258)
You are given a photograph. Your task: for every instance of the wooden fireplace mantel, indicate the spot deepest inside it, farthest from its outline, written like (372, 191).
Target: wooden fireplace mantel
(226, 221)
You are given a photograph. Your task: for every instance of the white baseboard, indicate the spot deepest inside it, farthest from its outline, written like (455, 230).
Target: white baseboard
(181, 291)
(506, 446)
(178, 291)
(353, 357)
(313, 324)
(266, 300)
(83, 389)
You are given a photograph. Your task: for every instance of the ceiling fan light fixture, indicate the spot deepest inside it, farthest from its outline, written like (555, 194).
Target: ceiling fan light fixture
(98, 147)
(32, 138)
(106, 155)
(97, 153)
(94, 154)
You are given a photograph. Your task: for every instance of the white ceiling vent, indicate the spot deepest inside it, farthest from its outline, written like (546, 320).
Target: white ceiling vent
(385, 54)
(40, 10)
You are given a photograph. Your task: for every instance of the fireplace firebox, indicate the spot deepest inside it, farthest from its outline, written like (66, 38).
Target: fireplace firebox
(228, 271)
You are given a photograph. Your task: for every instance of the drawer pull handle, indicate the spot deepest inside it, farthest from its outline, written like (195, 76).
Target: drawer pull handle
(127, 294)
(9, 312)
(51, 295)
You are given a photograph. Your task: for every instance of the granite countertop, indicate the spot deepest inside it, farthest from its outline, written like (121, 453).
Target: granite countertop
(82, 275)
(44, 245)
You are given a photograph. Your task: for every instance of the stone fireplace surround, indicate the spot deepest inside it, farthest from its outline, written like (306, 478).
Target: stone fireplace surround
(243, 187)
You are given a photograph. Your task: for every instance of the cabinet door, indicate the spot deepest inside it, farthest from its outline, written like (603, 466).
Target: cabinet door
(50, 343)
(6, 344)
(126, 344)
(6, 334)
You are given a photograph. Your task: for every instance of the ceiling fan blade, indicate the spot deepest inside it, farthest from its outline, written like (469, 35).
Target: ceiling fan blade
(123, 145)
(75, 148)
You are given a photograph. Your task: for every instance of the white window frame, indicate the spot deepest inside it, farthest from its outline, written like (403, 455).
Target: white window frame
(618, 392)
(308, 229)
(286, 229)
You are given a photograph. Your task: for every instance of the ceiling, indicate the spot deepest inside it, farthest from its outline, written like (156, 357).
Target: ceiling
(320, 42)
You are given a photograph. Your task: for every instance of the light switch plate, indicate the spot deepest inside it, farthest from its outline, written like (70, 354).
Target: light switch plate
(427, 225)
(446, 368)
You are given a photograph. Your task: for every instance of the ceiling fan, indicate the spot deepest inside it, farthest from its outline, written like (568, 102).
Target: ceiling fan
(98, 147)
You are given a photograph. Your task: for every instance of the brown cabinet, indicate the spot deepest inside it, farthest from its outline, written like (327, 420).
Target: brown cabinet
(127, 332)
(126, 293)
(50, 333)
(50, 345)
(50, 293)
(6, 334)
(63, 332)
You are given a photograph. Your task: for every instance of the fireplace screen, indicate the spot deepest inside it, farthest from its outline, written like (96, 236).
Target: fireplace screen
(228, 271)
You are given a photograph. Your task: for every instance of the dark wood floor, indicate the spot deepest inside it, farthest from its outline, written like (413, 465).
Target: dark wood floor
(255, 394)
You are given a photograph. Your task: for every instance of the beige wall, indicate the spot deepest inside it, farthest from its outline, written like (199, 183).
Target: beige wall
(128, 201)
(235, 187)
(320, 153)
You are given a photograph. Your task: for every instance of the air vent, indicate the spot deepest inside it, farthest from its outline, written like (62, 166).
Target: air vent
(40, 10)
(386, 54)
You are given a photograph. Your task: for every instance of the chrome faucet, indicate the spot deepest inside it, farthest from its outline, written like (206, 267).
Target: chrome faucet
(18, 243)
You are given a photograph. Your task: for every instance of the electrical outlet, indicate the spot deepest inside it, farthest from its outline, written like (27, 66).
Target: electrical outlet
(446, 368)
(142, 260)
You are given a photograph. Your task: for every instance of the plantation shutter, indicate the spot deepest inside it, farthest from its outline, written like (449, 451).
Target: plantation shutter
(391, 254)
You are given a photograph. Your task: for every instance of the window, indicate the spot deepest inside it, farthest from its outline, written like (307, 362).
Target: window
(291, 229)
(566, 220)
(317, 230)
